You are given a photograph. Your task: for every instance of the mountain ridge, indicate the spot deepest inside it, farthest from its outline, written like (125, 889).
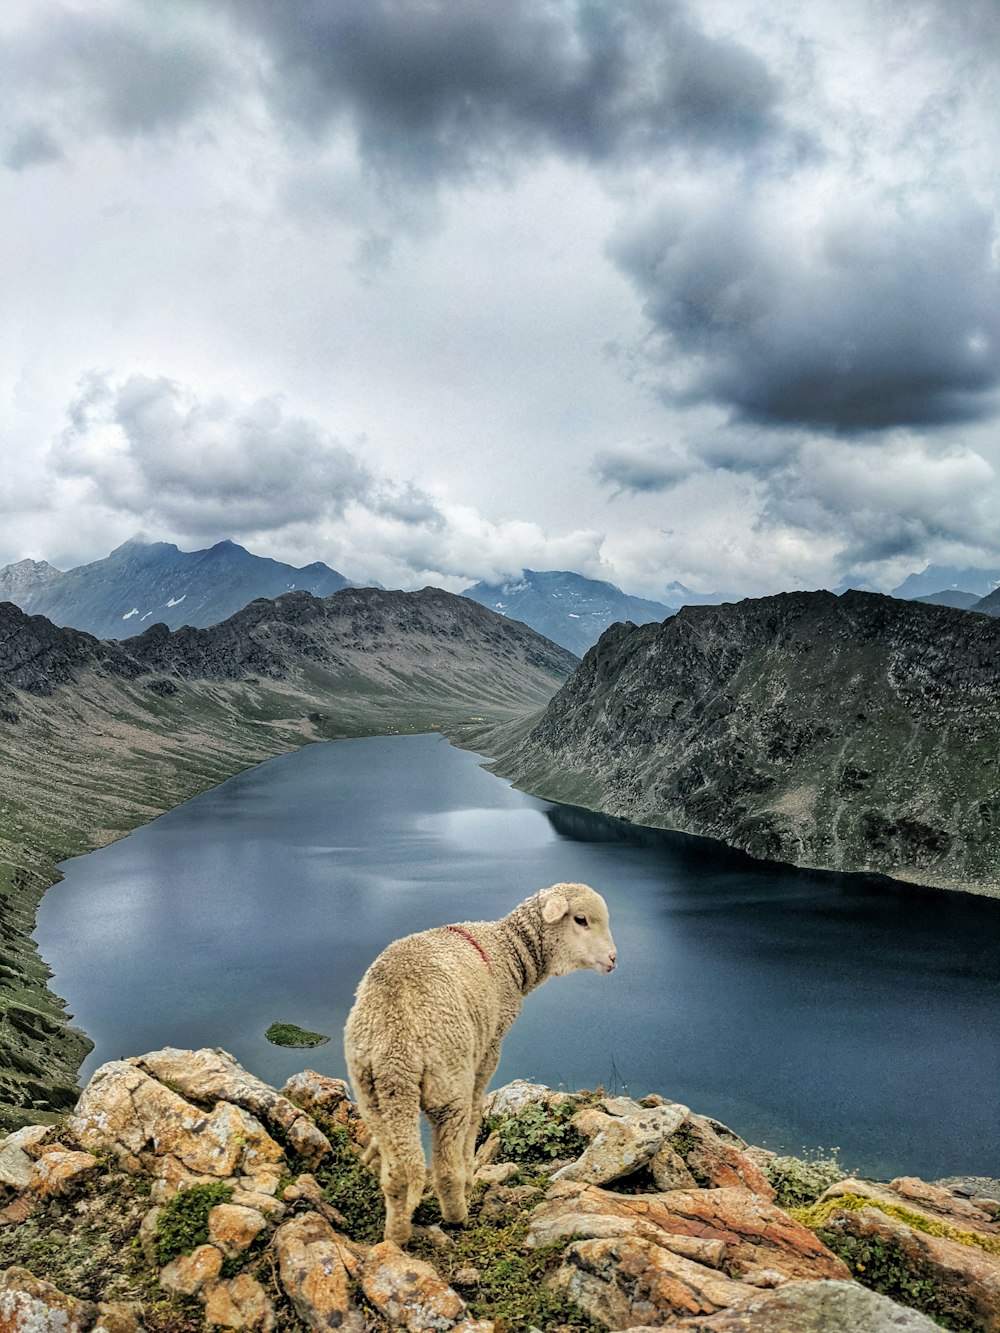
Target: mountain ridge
(853, 733)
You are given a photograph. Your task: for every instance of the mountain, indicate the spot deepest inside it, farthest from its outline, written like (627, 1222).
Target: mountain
(99, 736)
(989, 606)
(965, 601)
(855, 733)
(681, 595)
(937, 577)
(565, 607)
(141, 583)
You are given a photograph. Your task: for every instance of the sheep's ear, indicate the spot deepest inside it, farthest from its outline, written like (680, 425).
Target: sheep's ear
(554, 907)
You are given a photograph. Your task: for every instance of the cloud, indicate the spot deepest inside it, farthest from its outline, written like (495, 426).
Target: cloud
(862, 314)
(631, 466)
(151, 450)
(438, 89)
(69, 73)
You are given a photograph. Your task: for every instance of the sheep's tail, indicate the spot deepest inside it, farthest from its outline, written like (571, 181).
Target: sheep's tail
(390, 1107)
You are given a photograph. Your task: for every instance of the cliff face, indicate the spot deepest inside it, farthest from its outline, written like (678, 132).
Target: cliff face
(845, 733)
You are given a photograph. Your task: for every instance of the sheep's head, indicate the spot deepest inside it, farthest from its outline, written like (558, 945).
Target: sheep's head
(576, 931)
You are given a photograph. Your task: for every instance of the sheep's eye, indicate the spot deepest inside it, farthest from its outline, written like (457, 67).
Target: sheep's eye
(581, 920)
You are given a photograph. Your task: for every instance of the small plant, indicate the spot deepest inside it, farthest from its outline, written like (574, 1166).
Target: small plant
(352, 1189)
(540, 1133)
(183, 1222)
(799, 1181)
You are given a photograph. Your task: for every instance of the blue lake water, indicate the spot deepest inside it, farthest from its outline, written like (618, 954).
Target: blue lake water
(803, 1009)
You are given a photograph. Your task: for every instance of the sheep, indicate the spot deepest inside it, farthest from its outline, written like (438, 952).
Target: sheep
(426, 1027)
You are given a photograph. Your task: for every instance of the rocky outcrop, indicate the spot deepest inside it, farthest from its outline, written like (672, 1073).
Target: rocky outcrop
(241, 1232)
(842, 733)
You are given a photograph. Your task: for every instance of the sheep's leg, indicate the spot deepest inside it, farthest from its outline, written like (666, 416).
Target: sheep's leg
(392, 1114)
(484, 1073)
(450, 1118)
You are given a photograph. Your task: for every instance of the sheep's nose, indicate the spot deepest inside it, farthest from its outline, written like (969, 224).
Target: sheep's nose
(613, 960)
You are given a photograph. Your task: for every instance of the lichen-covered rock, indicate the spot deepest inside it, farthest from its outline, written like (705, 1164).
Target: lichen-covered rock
(190, 1274)
(59, 1173)
(408, 1292)
(15, 1162)
(717, 1160)
(316, 1268)
(627, 1280)
(757, 1236)
(234, 1228)
(513, 1097)
(213, 1075)
(240, 1302)
(150, 1127)
(620, 1143)
(29, 1305)
(811, 1307)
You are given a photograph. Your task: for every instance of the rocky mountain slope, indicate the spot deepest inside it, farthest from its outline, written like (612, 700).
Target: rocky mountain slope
(183, 1194)
(565, 607)
(851, 733)
(99, 736)
(141, 583)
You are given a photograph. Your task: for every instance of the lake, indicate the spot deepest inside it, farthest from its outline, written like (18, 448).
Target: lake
(803, 1009)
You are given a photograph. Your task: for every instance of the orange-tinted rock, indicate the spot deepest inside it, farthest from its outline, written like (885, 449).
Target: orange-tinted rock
(58, 1173)
(810, 1307)
(716, 1161)
(408, 1292)
(316, 1267)
(189, 1274)
(626, 1281)
(240, 1302)
(234, 1228)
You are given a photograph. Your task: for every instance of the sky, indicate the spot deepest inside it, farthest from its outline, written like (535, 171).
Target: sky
(436, 290)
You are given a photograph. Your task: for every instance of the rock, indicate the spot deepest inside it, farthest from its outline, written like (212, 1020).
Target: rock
(233, 1228)
(959, 1281)
(627, 1280)
(669, 1170)
(307, 1188)
(15, 1162)
(496, 1174)
(115, 1317)
(407, 1291)
(512, 1098)
(969, 1187)
(58, 1173)
(619, 1144)
(755, 1233)
(264, 1203)
(213, 1075)
(240, 1302)
(501, 1203)
(29, 1305)
(811, 1307)
(715, 1160)
(190, 1274)
(316, 1268)
(147, 1235)
(150, 1127)
(316, 1092)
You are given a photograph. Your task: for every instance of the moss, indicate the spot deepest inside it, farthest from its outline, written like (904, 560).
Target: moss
(183, 1221)
(511, 1289)
(290, 1034)
(818, 1214)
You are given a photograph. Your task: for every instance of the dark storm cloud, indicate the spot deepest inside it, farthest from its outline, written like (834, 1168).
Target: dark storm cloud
(864, 319)
(641, 468)
(126, 75)
(438, 88)
(154, 451)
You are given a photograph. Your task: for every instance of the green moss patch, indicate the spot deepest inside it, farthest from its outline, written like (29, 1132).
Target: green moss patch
(183, 1222)
(799, 1181)
(815, 1217)
(352, 1189)
(290, 1034)
(539, 1133)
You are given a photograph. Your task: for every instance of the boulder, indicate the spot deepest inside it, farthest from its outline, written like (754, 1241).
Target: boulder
(151, 1128)
(190, 1274)
(59, 1173)
(513, 1097)
(758, 1237)
(628, 1280)
(622, 1142)
(240, 1302)
(29, 1305)
(408, 1292)
(233, 1228)
(716, 1159)
(15, 1162)
(316, 1268)
(810, 1307)
(213, 1075)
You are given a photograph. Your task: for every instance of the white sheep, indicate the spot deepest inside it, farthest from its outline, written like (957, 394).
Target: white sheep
(426, 1028)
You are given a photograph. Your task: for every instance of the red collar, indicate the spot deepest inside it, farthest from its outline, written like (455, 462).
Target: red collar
(457, 930)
